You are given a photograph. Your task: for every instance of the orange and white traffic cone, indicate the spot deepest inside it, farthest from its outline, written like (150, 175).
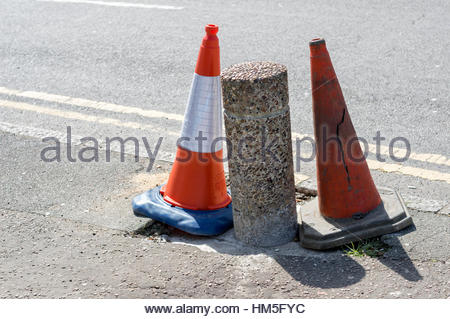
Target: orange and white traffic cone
(195, 198)
(349, 206)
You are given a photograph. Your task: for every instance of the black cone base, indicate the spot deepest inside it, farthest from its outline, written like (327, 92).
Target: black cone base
(319, 232)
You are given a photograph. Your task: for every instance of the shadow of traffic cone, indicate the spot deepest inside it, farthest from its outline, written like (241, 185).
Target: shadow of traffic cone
(195, 198)
(349, 206)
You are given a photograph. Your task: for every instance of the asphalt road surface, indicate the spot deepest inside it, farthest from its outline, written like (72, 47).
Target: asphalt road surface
(110, 68)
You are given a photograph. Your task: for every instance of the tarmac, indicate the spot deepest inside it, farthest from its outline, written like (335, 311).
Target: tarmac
(68, 232)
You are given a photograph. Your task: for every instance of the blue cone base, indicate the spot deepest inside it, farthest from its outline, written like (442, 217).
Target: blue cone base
(197, 222)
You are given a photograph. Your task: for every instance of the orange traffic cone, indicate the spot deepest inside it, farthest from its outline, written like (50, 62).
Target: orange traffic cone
(195, 198)
(198, 182)
(349, 206)
(343, 176)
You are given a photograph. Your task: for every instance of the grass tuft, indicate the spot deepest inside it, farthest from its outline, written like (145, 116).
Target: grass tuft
(373, 247)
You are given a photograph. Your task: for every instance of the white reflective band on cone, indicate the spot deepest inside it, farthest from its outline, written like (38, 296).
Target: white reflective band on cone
(203, 114)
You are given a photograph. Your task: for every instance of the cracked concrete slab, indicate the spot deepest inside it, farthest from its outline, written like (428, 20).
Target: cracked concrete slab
(425, 205)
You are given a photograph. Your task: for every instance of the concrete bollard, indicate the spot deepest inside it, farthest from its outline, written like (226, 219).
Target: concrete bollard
(257, 123)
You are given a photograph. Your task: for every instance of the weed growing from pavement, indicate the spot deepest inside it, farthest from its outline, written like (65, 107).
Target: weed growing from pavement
(373, 247)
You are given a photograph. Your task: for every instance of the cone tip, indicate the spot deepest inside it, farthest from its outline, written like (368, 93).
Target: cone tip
(317, 41)
(211, 29)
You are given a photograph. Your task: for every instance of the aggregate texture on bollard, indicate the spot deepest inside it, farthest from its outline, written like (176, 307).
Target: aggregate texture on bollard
(258, 129)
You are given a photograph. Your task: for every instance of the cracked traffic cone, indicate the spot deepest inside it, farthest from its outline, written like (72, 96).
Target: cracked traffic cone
(195, 198)
(349, 206)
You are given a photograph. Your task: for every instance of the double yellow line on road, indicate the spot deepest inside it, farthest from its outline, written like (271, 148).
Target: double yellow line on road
(76, 115)
(116, 108)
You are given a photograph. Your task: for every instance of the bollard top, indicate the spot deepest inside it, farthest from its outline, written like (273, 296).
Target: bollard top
(251, 71)
(255, 89)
